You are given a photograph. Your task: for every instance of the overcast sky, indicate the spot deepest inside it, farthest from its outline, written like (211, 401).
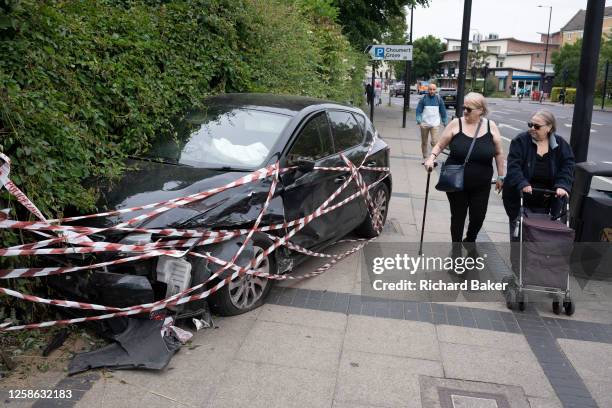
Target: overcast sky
(521, 19)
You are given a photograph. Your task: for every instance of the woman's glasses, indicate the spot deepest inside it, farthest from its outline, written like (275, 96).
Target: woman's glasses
(468, 109)
(534, 125)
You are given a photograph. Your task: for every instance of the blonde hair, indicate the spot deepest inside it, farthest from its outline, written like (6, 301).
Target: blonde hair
(478, 101)
(548, 117)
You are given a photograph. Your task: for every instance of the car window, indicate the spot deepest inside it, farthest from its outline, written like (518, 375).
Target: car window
(345, 129)
(219, 137)
(361, 120)
(314, 140)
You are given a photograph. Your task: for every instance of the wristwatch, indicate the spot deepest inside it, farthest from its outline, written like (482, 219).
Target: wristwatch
(501, 178)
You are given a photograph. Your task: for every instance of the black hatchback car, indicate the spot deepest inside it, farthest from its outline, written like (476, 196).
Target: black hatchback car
(234, 135)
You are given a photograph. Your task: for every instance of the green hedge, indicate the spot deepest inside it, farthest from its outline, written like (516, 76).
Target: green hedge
(85, 83)
(570, 94)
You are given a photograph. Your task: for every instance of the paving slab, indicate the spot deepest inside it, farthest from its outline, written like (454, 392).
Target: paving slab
(290, 345)
(485, 338)
(487, 364)
(110, 392)
(382, 380)
(452, 393)
(593, 362)
(391, 337)
(303, 317)
(544, 403)
(258, 385)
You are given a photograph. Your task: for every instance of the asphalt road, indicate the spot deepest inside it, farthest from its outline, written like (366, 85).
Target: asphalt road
(512, 117)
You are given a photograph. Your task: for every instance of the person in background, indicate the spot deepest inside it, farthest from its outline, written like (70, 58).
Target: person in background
(538, 158)
(369, 93)
(474, 198)
(430, 113)
(378, 93)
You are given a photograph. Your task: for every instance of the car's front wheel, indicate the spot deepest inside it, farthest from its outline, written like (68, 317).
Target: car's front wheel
(381, 207)
(248, 291)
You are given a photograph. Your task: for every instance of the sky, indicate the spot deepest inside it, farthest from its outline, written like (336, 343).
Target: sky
(521, 19)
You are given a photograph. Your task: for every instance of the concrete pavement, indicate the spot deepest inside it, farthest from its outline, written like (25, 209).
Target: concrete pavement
(322, 343)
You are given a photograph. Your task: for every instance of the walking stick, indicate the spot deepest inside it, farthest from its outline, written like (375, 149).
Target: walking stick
(425, 209)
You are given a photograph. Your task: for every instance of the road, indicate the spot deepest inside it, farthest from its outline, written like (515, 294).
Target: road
(512, 117)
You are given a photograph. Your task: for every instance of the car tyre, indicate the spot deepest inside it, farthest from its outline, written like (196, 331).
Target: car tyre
(247, 292)
(381, 203)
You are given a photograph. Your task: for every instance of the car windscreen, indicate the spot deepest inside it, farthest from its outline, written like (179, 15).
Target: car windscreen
(222, 137)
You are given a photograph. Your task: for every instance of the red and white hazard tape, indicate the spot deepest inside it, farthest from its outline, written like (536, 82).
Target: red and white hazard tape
(196, 238)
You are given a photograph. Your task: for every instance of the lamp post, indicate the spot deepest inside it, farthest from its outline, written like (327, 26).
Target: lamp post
(545, 52)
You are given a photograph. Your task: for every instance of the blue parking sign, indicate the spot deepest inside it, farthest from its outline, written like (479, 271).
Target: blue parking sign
(379, 52)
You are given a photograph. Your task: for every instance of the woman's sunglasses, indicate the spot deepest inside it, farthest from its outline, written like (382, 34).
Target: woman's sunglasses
(468, 109)
(534, 125)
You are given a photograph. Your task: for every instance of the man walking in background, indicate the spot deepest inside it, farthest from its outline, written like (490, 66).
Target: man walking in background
(430, 113)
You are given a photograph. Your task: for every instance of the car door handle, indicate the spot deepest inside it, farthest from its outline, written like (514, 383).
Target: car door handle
(340, 179)
(372, 164)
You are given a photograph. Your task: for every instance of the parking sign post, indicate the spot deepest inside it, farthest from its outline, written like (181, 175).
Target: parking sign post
(384, 52)
(373, 91)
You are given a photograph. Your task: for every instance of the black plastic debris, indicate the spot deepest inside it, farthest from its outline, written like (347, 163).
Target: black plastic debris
(141, 345)
(56, 341)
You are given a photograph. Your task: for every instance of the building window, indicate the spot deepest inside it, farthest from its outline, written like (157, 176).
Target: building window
(456, 47)
(493, 50)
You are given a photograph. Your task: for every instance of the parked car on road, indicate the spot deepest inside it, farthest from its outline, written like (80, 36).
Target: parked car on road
(232, 136)
(449, 96)
(397, 89)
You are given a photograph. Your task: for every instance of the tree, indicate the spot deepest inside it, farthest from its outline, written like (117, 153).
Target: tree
(365, 21)
(567, 58)
(426, 56)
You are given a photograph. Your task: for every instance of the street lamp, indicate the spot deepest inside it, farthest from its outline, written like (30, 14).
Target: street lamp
(545, 52)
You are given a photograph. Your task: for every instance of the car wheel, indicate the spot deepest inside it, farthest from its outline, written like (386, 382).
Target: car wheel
(381, 205)
(246, 292)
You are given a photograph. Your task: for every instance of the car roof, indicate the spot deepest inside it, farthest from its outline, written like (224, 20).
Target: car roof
(284, 104)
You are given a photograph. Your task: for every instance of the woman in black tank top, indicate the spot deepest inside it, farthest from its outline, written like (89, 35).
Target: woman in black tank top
(458, 136)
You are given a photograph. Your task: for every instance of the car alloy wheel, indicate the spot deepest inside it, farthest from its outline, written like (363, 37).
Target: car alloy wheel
(380, 207)
(248, 289)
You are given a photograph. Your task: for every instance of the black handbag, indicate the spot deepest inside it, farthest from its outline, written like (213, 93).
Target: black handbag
(451, 175)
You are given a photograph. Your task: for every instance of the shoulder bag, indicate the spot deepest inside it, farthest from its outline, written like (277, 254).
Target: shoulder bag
(451, 175)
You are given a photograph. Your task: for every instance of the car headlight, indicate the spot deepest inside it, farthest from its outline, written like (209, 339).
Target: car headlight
(136, 238)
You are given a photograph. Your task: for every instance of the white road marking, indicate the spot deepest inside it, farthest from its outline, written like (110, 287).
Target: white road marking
(596, 124)
(503, 125)
(567, 125)
(517, 120)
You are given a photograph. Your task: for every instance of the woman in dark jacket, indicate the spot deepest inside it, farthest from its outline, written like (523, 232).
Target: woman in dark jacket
(538, 158)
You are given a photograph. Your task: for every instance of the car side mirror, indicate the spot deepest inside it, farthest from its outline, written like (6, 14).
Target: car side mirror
(305, 164)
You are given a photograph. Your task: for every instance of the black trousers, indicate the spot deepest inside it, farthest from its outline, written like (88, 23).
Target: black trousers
(474, 202)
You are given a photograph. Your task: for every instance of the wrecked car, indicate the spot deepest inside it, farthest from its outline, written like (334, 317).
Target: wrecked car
(234, 135)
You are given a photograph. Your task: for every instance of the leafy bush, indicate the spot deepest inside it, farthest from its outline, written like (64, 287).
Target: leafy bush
(84, 84)
(570, 94)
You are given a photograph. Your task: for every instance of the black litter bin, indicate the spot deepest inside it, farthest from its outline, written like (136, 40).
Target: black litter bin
(591, 210)
(591, 218)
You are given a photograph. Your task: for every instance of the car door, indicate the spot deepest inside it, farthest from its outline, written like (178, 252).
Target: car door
(304, 192)
(348, 139)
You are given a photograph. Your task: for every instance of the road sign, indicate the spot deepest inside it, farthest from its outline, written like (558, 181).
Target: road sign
(390, 52)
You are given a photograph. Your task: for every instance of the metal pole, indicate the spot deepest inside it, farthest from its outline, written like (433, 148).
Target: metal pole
(583, 108)
(407, 75)
(410, 62)
(605, 90)
(406, 88)
(545, 56)
(465, 36)
(373, 91)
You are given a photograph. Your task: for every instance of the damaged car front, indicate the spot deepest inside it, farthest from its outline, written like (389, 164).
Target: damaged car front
(212, 148)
